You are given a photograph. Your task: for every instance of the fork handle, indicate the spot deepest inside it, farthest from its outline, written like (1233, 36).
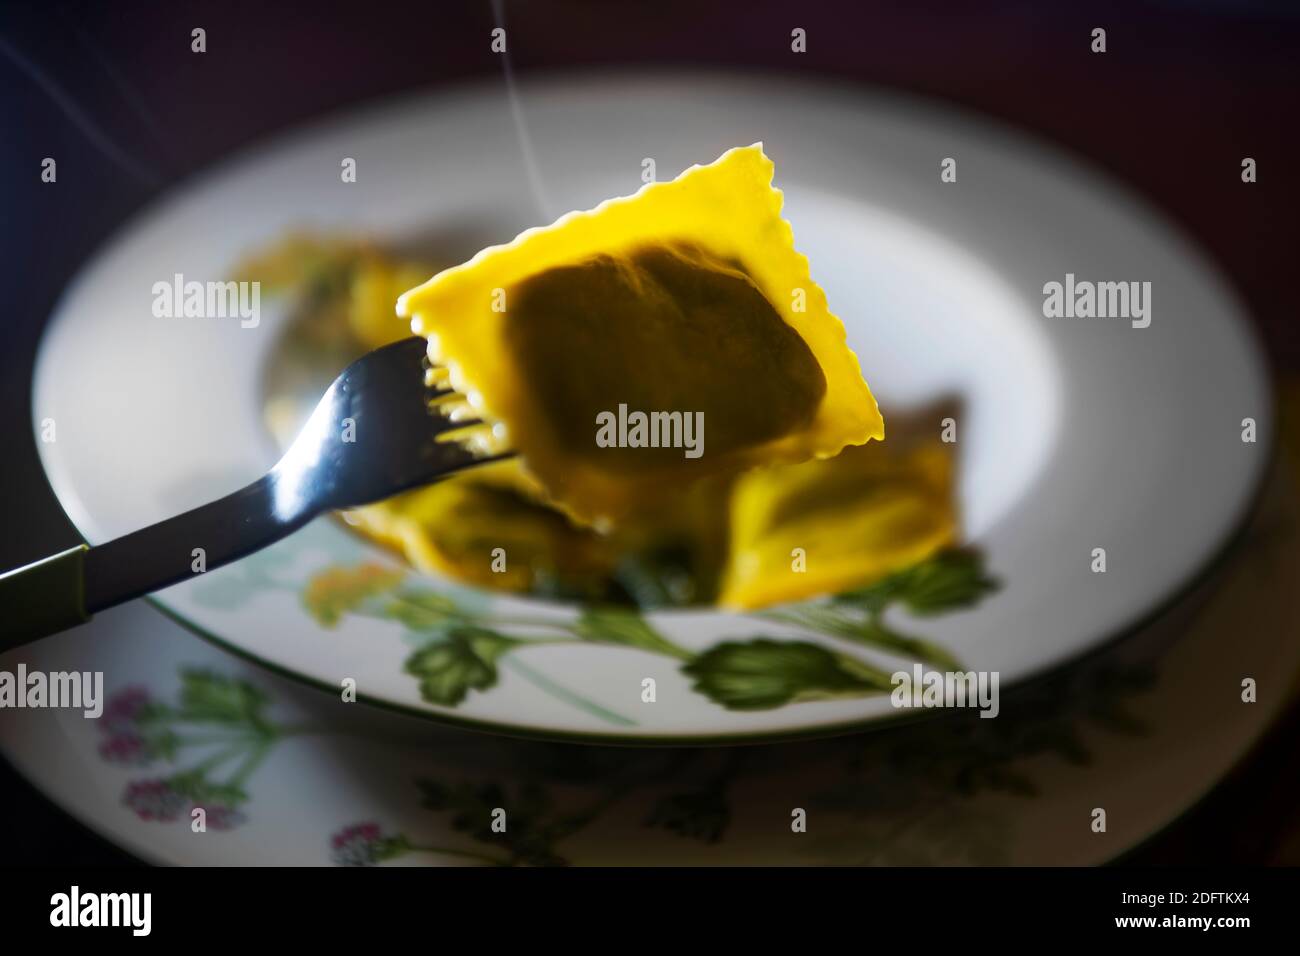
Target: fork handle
(43, 597)
(66, 589)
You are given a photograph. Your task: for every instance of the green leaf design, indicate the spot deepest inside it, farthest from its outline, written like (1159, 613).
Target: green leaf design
(612, 625)
(464, 659)
(424, 610)
(390, 848)
(533, 827)
(946, 582)
(698, 814)
(205, 792)
(761, 674)
(875, 634)
(206, 696)
(869, 631)
(154, 723)
(160, 741)
(462, 647)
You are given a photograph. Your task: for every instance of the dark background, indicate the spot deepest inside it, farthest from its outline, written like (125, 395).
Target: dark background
(112, 91)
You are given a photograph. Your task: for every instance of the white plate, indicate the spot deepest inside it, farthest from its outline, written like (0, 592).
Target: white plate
(1141, 731)
(1077, 433)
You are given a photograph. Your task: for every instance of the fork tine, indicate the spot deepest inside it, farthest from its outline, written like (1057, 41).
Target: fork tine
(442, 400)
(459, 431)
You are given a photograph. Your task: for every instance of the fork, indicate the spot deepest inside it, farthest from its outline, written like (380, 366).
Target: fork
(375, 432)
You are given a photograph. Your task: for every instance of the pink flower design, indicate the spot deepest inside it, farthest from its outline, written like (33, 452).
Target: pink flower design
(123, 710)
(129, 749)
(221, 817)
(155, 800)
(357, 845)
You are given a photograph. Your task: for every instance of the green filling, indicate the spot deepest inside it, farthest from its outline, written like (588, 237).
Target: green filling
(662, 328)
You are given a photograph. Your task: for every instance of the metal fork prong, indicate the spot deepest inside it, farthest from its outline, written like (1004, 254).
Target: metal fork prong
(451, 432)
(449, 397)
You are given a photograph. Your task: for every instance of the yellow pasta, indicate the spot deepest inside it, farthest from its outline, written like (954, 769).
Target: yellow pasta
(822, 527)
(687, 298)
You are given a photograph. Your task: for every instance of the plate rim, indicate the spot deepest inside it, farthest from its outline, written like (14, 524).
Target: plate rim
(892, 99)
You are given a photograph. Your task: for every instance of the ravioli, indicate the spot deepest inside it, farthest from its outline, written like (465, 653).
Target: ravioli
(347, 282)
(376, 284)
(822, 527)
(487, 527)
(490, 527)
(685, 298)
